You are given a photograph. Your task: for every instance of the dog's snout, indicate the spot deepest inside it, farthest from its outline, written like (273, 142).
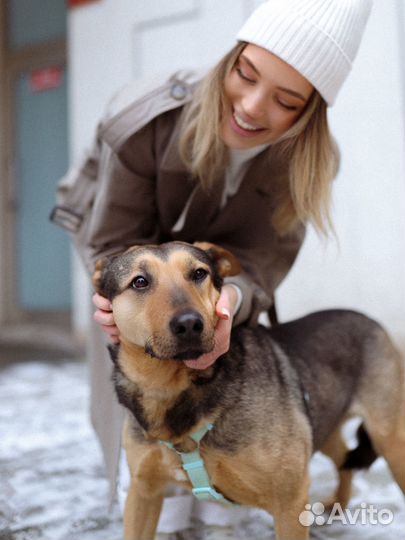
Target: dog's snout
(187, 325)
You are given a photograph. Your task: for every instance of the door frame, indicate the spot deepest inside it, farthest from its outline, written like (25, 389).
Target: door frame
(12, 63)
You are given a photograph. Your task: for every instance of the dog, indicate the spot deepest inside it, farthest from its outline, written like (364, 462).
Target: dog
(276, 397)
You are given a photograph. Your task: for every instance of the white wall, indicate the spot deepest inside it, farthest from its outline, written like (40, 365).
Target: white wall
(366, 270)
(114, 41)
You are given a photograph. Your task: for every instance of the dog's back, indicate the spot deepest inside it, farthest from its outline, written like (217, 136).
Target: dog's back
(340, 357)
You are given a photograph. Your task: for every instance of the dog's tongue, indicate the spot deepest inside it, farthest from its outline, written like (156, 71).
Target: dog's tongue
(203, 362)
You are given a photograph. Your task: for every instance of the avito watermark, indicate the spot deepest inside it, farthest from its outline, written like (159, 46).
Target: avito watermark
(366, 514)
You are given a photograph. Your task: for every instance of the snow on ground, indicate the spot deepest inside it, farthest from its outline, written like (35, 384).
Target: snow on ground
(52, 485)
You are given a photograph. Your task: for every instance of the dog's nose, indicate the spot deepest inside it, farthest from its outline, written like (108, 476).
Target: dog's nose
(187, 325)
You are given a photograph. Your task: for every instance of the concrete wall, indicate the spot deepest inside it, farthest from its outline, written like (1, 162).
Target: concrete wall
(113, 41)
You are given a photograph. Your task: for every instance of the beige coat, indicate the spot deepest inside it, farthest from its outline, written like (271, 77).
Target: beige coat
(132, 189)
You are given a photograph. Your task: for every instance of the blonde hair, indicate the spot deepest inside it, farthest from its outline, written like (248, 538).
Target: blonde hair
(307, 147)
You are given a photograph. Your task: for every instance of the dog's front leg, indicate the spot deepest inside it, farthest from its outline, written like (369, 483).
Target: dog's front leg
(141, 514)
(287, 513)
(146, 492)
(289, 528)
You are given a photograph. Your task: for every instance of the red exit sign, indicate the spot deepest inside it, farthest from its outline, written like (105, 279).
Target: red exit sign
(75, 3)
(45, 79)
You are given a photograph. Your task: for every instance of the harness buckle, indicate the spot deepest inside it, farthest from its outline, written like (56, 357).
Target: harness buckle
(207, 494)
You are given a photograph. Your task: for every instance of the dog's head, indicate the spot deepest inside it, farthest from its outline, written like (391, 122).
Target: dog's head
(164, 297)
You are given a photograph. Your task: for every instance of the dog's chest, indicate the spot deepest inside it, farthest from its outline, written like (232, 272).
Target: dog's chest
(156, 409)
(243, 476)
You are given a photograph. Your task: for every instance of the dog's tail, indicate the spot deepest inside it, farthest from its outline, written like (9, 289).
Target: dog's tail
(363, 455)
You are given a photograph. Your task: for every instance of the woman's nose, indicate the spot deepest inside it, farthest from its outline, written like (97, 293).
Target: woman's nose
(253, 104)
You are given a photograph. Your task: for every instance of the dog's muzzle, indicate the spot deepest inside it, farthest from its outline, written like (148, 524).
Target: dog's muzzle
(187, 328)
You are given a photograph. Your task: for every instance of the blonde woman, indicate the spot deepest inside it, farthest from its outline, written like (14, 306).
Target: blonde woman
(242, 157)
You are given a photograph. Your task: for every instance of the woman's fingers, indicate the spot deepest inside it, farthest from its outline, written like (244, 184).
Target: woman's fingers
(101, 302)
(225, 306)
(223, 335)
(105, 318)
(112, 332)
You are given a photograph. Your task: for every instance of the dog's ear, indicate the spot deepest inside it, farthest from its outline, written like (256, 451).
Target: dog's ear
(97, 278)
(105, 275)
(227, 264)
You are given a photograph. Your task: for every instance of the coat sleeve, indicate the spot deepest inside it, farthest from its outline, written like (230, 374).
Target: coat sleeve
(124, 208)
(104, 201)
(264, 268)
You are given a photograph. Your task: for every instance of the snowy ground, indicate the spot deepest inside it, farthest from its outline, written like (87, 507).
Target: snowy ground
(51, 478)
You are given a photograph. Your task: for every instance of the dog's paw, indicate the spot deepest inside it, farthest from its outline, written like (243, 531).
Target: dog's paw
(331, 501)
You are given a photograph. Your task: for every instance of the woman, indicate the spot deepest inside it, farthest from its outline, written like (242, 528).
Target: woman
(260, 99)
(242, 158)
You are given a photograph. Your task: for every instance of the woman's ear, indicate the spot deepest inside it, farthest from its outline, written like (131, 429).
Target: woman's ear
(227, 264)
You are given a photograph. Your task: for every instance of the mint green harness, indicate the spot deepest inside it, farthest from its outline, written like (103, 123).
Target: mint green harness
(194, 466)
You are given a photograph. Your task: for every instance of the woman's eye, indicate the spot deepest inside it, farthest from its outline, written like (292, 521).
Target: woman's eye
(243, 76)
(139, 282)
(199, 274)
(287, 107)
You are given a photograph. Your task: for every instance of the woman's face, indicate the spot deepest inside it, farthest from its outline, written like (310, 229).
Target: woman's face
(264, 98)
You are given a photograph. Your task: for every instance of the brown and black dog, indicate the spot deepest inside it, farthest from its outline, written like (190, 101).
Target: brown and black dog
(277, 396)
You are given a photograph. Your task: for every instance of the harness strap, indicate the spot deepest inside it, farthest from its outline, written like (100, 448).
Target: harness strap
(194, 466)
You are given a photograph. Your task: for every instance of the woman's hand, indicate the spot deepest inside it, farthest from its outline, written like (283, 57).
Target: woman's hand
(225, 309)
(104, 317)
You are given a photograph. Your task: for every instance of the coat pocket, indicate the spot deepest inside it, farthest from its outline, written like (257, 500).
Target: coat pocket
(76, 192)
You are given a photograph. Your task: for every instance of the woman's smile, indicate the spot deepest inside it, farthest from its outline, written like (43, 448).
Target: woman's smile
(244, 126)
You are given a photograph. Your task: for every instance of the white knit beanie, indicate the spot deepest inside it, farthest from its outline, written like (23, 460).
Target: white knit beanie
(319, 38)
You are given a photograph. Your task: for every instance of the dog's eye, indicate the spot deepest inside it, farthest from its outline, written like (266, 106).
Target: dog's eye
(199, 274)
(139, 282)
